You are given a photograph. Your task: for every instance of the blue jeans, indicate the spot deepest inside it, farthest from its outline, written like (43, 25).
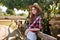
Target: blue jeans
(27, 39)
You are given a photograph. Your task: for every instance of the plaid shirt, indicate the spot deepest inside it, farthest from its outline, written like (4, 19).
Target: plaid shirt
(37, 23)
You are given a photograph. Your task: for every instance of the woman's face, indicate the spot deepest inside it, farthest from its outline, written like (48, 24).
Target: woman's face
(34, 11)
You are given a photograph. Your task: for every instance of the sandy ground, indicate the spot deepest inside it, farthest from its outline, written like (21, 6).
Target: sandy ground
(4, 31)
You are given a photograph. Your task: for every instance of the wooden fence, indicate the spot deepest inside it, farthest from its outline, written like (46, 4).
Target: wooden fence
(46, 37)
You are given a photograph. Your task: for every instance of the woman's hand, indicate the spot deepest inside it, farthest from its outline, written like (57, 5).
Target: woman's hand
(26, 32)
(34, 29)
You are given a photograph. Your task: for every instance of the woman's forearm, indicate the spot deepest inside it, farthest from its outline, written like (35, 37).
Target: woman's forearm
(34, 29)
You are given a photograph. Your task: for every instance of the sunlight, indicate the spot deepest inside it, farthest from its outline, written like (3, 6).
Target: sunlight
(20, 11)
(3, 8)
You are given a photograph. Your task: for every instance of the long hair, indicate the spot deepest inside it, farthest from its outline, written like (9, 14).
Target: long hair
(39, 12)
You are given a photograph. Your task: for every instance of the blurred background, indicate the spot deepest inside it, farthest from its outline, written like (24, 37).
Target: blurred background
(14, 13)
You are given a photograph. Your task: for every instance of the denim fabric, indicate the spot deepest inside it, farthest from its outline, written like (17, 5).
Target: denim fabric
(27, 39)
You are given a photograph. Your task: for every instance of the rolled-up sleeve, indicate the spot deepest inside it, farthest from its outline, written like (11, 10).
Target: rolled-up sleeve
(40, 23)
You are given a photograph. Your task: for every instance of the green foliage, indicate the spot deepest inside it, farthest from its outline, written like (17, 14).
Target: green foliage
(54, 9)
(10, 12)
(5, 14)
(24, 15)
(24, 4)
(16, 3)
(1, 13)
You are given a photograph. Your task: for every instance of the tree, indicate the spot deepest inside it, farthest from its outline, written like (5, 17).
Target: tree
(24, 4)
(17, 3)
(24, 15)
(10, 12)
(1, 13)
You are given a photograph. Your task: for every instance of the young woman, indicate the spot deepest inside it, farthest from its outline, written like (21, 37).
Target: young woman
(35, 22)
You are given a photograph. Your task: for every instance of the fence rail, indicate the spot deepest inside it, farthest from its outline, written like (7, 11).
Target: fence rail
(46, 37)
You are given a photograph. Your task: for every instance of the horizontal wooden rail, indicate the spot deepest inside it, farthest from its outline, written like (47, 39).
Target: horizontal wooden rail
(46, 37)
(12, 17)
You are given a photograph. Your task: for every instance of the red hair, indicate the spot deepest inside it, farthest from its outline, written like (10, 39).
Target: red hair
(39, 11)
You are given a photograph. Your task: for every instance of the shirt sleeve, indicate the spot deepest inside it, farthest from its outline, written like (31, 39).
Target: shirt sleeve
(40, 23)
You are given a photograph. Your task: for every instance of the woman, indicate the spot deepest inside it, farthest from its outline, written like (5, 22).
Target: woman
(34, 22)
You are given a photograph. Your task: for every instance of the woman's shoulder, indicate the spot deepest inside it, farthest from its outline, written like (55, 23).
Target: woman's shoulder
(39, 17)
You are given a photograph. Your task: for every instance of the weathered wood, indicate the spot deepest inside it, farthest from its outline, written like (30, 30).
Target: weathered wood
(46, 37)
(55, 25)
(12, 17)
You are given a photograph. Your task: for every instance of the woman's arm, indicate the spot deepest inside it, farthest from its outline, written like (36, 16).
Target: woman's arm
(34, 29)
(37, 23)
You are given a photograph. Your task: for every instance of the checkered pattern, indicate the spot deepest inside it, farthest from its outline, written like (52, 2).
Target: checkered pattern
(37, 23)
